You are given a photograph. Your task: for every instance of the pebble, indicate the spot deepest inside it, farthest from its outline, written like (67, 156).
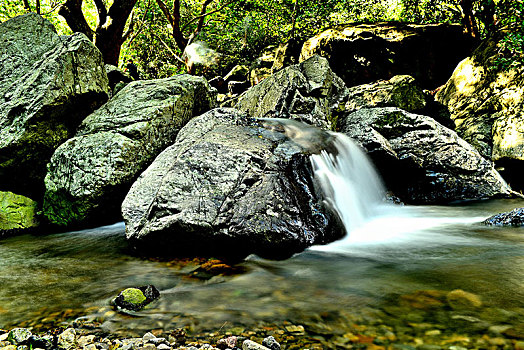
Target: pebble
(4, 336)
(271, 343)
(67, 339)
(148, 336)
(163, 347)
(460, 300)
(251, 345)
(18, 336)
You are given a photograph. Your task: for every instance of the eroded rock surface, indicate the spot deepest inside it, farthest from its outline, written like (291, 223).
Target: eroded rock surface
(89, 175)
(308, 91)
(228, 187)
(420, 160)
(48, 84)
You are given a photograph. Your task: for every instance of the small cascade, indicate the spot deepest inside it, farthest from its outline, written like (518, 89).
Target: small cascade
(349, 181)
(346, 176)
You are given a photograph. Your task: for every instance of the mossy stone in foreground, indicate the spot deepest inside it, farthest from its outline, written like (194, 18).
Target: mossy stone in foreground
(135, 299)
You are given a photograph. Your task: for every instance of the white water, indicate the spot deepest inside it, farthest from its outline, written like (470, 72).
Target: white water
(354, 189)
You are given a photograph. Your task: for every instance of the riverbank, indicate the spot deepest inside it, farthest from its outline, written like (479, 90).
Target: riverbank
(373, 334)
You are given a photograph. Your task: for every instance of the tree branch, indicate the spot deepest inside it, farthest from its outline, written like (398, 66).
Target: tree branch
(27, 7)
(102, 12)
(165, 11)
(207, 14)
(71, 10)
(169, 49)
(130, 28)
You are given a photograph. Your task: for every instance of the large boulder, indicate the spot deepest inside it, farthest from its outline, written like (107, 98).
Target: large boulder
(308, 92)
(48, 84)
(400, 91)
(363, 53)
(420, 160)
(17, 212)
(228, 187)
(487, 107)
(89, 175)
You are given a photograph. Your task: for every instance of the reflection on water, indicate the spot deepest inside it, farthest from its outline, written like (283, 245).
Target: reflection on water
(417, 248)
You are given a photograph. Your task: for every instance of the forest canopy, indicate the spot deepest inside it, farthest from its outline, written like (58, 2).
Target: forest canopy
(155, 33)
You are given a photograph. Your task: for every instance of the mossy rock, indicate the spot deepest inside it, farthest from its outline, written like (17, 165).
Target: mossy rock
(135, 299)
(17, 212)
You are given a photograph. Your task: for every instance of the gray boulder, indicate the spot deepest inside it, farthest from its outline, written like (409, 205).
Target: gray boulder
(420, 160)
(400, 91)
(89, 175)
(48, 84)
(228, 187)
(308, 92)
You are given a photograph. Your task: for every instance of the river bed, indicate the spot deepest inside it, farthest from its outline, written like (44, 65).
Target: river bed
(396, 271)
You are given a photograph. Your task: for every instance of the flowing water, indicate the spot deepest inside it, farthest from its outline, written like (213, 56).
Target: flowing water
(372, 276)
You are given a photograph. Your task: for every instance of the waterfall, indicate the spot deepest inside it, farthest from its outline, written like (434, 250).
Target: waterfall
(349, 182)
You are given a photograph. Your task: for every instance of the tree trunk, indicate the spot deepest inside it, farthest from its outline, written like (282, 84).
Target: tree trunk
(108, 36)
(468, 18)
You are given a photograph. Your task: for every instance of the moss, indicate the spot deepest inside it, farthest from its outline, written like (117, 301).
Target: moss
(133, 296)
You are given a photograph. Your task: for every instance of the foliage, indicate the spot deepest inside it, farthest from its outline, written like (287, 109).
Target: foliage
(239, 30)
(511, 52)
(48, 9)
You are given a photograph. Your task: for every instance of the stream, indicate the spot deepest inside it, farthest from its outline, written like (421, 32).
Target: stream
(363, 278)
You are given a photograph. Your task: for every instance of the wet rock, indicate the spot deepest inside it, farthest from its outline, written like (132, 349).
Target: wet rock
(511, 218)
(228, 187)
(516, 331)
(251, 345)
(17, 212)
(42, 341)
(89, 175)
(135, 299)
(271, 343)
(67, 339)
(362, 53)
(461, 300)
(19, 336)
(308, 92)
(432, 163)
(48, 84)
